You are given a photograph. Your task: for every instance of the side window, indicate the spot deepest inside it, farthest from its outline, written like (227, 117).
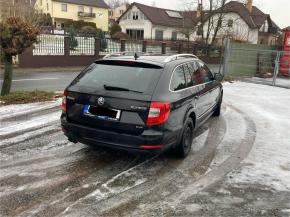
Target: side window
(192, 69)
(196, 73)
(188, 76)
(206, 75)
(178, 79)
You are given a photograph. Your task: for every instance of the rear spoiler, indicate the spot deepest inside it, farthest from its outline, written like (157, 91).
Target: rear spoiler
(129, 63)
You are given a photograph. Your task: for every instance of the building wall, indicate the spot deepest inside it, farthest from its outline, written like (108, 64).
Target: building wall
(117, 12)
(141, 24)
(148, 27)
(41, 5)
(239, 29)
(59, 16)
(167, 32)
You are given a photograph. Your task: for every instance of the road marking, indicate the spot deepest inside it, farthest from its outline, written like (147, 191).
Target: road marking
(34, 79)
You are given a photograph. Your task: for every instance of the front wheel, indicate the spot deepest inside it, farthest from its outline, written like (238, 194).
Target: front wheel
(184, 147)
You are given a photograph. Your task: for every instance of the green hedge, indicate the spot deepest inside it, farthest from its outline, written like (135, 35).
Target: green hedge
(78, 25)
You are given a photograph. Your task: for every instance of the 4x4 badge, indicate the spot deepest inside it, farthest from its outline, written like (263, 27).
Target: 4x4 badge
(101, 101)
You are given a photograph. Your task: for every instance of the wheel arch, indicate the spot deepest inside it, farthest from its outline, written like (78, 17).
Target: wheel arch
(192, 115)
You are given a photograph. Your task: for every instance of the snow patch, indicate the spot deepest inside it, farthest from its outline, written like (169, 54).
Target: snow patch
(40, 121)
(269, 108)
(9, 110)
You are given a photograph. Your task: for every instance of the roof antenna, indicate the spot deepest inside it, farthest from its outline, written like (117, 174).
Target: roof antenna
(136, 56)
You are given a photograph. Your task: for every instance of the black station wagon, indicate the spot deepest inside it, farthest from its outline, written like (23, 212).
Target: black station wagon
(144, 103)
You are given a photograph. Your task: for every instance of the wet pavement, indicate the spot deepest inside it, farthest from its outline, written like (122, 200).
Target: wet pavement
(42, 174)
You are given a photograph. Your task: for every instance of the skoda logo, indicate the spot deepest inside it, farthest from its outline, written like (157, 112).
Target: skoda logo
(101, 101)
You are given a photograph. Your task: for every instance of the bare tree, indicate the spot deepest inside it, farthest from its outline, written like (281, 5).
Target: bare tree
(212, 18)
(22, 9)
(116, 3)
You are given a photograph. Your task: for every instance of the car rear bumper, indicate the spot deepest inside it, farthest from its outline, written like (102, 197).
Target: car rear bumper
(148, 141)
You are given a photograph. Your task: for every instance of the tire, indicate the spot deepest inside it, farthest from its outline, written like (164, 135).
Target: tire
(183, 148)
(217, 111)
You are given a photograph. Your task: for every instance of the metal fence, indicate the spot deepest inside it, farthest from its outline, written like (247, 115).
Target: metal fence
(65, 50)
(82, 44)
(49, 45)
(257, 63)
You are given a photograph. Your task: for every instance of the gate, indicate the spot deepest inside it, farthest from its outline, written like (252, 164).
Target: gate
(257, 63)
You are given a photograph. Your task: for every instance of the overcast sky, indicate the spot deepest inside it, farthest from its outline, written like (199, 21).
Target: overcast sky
(278, 9)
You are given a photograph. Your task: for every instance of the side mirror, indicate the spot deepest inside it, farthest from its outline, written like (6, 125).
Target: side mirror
(218, 77)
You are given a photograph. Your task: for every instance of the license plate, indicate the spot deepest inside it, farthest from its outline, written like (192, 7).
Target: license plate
(102, 113)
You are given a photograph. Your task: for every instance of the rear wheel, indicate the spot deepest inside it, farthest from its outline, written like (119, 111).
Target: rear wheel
(184, 147)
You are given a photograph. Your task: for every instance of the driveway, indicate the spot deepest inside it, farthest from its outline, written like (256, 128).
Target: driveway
(239, 165)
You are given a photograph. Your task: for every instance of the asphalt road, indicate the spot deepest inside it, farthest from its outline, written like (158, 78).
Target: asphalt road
(48, 81)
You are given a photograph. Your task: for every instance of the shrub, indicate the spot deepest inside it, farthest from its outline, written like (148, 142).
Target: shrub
(121, 35)
(89, 30)
(16, 35)
(72, 35)
(115, 28)
(78, 24)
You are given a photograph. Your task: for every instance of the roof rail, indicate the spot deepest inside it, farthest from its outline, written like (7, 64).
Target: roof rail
(175, 57)
(118, 54)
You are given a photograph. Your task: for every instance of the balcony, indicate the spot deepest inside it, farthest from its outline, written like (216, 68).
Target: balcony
(86, 15)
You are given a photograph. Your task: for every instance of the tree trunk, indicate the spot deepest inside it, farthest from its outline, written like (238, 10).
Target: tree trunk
(7, 75)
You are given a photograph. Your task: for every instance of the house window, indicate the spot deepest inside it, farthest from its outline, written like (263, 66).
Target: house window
(137, 34)
(40, 2)
(159, 35)
(230, 23)
(47, 7)
(64, 7)
(81, 9)
(121, 12)
(91, 10)
(110, 13)
(135, 15)
(174, 36)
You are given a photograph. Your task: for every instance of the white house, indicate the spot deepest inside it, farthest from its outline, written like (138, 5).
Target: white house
(146, 22)
(242, 22)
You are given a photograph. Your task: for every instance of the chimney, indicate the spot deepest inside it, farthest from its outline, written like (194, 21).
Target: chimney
(249, 5)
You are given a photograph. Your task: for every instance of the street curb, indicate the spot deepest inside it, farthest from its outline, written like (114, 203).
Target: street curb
(17, 133)
(31, 111)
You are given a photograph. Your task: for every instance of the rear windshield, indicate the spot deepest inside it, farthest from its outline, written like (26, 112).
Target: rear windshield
(136, 77)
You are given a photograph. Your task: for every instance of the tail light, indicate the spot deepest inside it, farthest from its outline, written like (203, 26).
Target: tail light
(63, 104)
(151, 146)
(158, 113)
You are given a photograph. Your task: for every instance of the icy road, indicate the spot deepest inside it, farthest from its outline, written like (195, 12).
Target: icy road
(239, 166)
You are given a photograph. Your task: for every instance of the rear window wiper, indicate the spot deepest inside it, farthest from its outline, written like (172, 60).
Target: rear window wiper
(107, 87)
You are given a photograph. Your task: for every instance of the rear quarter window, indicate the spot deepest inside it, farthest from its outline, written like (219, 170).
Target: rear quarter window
(178, 81)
